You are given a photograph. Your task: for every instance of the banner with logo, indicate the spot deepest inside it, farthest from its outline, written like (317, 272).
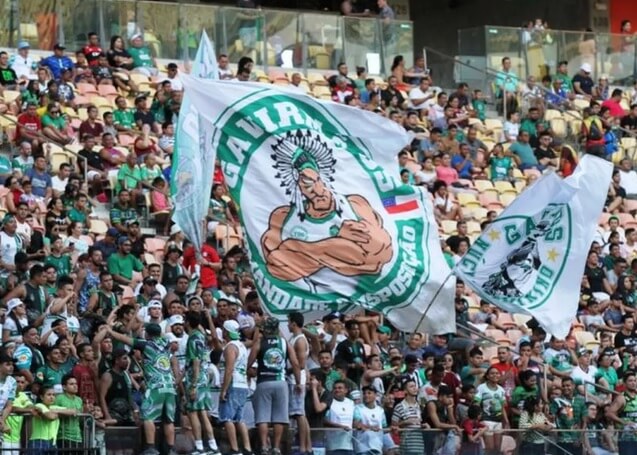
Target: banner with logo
(531, 258)
(193, 158)
(327, 221)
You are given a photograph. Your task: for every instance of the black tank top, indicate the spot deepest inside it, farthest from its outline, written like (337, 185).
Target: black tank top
(119, 389)
(272, 359)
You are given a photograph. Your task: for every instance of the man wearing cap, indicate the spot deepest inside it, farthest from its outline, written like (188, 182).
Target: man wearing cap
(583, 82)
(122, 264)
(174, 326)
(146, 291)
(136, 238)
(108, 245)
(270, 399)
(160, 371)
(22, 63)
(154, 272)
(143, 61)
(197, 390)
(584, 375)
(234, 388)
(58, 62)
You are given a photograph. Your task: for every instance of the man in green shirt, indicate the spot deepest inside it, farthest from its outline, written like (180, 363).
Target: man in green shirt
(129, 176)
(143, 61)
(70, 433)
(54, 125)
(22, 404)
(123, 117)
(122, 212)
(562, 75)
(5, 167)
(122, 264)
(57, 258)
(79, 210)
(568, 411)
(50, 375)
(160, 370)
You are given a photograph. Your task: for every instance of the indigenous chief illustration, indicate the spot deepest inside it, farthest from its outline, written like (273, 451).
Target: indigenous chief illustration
(321, 236)
(517, 276)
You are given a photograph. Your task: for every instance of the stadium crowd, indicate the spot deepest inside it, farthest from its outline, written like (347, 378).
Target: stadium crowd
(101, 318)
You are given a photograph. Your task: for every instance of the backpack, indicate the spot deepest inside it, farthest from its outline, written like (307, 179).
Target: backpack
(593, 128)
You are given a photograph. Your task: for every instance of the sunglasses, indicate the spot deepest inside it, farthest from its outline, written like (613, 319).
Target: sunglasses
(55, 112)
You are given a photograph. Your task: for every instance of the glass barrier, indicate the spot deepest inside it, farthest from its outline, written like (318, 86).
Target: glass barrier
(362, 44)
(538, 53)
(272, 38)
(322, 41)
(398, 39)
(194, 19)
(244, 34)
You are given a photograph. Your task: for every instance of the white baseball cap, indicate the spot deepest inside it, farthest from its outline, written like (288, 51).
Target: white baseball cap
(232, 327)
(586, 67)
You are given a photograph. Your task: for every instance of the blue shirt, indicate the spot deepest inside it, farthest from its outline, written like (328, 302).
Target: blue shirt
(57, 64)
(40, 181)
(465, 171)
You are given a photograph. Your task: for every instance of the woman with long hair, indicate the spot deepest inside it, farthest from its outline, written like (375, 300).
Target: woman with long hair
(491, 396)
(57, 219)
(596, 439)
(568, 161)
(15, 321)
(534, 420)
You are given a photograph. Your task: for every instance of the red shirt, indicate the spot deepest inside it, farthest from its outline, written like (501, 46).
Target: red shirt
(615, 109)
(218, 175)
(92, 54)
(85, 383)
(94, 130)
(208, 275)
(29, 123)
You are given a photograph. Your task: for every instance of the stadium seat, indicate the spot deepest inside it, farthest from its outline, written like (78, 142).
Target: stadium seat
(449, 227)
(530, 172)
(520, 319)
(10, 96)
(467, 199)
(630, 205)
(483, 185)
(473, 227)
(108, 91)
(504, 187)
(584, 337)
(507, 198)
(603, 219)
(581, 104)
(559, 127)
(320, 90)
(316, 79)
(514, 335)
(86, 89)
(625, 218)
(466, 182)
(550, 114)
(478, 213)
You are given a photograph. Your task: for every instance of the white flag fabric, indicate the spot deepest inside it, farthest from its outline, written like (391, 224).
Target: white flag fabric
(193, 159)
(327, 221)
(531, 258)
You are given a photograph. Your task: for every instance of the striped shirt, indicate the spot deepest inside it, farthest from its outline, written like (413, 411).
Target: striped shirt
(411, 440)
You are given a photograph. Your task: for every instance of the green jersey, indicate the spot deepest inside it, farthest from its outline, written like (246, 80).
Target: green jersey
(61, 263)
(50, 377)
(196, 350)
(43, 428)
(629, 414)
(77, 215)
(14, 421)
(124, 118)
(141, 57)
(568, 415)
(500, 167)
(156, 364)
(70, 428)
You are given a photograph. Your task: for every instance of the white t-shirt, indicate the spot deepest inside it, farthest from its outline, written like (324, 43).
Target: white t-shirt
(512, 130)
(175, 83)
(158, 287)
(23, 67)
(418, 94)
(58, 184)
(342, 413)
(628, 181)
(370, 441)
(580, 377)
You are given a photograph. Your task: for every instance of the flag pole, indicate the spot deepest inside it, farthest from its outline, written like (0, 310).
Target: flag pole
(436, 294)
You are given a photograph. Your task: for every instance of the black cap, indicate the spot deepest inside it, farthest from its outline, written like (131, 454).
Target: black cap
(150, 280)
(140, 98)
(617, 296)
(608, 351)
(119, 352)
(410, 358)
(59, 46)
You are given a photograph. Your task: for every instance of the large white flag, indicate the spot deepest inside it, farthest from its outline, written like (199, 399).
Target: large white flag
(531, 258)
(327, 221)
(193, 160)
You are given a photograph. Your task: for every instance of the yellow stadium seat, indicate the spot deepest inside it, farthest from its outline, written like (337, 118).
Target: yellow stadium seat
(449, 227)
(503, 187)
(507, 198)
(482, 185)
(473, 227)
(98, 227)
(467, 199)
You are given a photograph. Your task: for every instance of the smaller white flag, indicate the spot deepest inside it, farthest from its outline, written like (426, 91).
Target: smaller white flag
(531, 258)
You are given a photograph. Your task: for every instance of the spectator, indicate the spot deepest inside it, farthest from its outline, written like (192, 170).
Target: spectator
(544, 154)
(507, 82)
(523, 153)
(22, 64)
(54, 125)
(224, 69)
(614, 105)
(91, 125)
(57, 62)
(40, 178)
(8, 77)
(143, 61)
(583, 83)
